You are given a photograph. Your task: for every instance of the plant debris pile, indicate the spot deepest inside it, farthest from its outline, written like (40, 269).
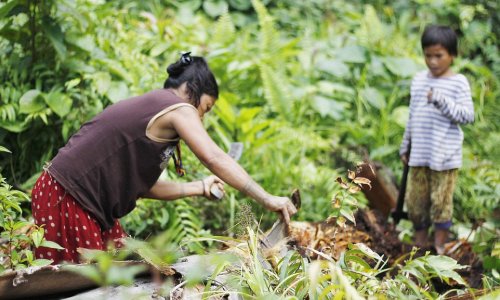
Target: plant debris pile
(373, 230)
(327, 237)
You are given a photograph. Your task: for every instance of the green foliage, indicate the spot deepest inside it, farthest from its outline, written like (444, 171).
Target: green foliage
(305, 85)
(105, 269)
(344, 203)
(487, 246)
(18, 236)
(358, 274)
(160, 251)
(108, 268)
(180, 217)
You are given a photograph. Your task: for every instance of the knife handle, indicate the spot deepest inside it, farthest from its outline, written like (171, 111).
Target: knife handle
(216, 193)
(296, 201)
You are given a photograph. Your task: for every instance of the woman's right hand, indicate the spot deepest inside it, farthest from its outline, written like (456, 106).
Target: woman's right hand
(281, 205)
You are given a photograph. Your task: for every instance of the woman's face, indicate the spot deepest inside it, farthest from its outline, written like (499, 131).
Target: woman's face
(206, 104)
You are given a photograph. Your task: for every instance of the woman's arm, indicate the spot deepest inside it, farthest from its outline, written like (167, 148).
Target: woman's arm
(188, 126)
(167, 190)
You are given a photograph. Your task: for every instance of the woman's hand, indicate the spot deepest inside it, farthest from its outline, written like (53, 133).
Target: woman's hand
(212, 181)
(281, 205)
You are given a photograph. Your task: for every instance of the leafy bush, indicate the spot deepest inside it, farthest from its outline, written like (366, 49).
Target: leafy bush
(19, 236)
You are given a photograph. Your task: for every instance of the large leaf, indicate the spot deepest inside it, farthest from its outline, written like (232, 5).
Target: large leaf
(117, 91)
(37, 237)
(116, 68)
(225, 112)
(383, 151)
(330, 88)
(240, 4)
(333, 66)
(41, 262)
(72, 83)
(328, 107)
(445, 267)
(352, 54)
(50, 244)
(403, 67)
(248, 114)
(192, 5)
(77, 65)
(31, 102)
(374, 97)
(7, 7)
(102, 82)
(159, 49)
(215, 8)
(400, 115)
(377, 66)
(85, 42)
(54, 33)
(59, 103)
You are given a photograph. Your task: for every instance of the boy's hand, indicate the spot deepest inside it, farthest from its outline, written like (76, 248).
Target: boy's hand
(404, 159)
(429, 95)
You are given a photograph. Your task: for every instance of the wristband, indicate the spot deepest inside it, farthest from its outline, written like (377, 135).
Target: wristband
(203, 187)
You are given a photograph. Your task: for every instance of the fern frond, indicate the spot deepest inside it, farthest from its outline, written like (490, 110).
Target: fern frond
(275, 90)
(371, 32)
(8, 112)
(224, 29)
(269, 37)
(187, 223)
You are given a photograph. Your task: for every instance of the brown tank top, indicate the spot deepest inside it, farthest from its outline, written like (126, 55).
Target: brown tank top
(111, 162)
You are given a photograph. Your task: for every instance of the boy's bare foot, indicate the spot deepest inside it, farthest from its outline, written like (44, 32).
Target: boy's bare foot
(440, 238)
(421, 238)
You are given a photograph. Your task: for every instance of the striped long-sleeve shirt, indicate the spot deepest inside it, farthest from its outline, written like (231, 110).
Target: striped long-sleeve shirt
(433, 129)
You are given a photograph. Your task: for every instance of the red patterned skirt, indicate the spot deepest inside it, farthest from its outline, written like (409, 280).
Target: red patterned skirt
(67, 223)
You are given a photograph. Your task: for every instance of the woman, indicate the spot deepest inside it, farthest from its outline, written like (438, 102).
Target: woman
(118, 156)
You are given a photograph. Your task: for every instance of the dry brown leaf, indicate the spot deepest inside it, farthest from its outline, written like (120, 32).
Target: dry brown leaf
(362, 181)
(343, 184)
(354, 189)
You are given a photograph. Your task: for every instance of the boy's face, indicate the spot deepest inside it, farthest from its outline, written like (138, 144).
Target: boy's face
(438, 60)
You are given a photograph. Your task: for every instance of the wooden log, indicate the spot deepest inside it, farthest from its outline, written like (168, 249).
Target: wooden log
(384, 194)
(42, 282)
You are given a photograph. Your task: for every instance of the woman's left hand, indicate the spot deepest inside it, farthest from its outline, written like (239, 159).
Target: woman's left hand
(210, 182)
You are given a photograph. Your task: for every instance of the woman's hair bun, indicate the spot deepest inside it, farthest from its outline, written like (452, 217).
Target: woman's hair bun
(175, 69)
(178, 67)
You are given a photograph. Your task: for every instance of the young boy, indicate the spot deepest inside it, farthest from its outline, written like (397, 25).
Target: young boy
(432, 142)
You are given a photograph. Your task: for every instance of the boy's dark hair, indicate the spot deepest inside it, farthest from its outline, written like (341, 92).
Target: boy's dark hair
(195, 72)
(440, 35)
